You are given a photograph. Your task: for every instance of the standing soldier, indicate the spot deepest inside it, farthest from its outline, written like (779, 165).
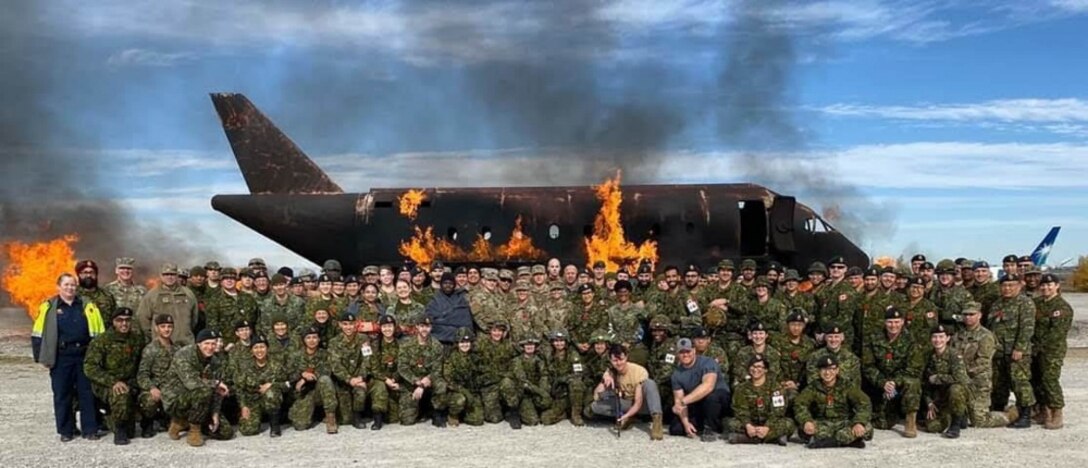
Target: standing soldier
(496, 382)
(1053, 317)
(1012, 319)
(976, 346)
(565, 370)
(921, 313)
(261, 382)
(948, 296)
(308, 372)
(419, 363)
(795, 348)
(759, 407)
(849, 365)
(193, 394)
(730, 298)
(459, 372)
(110, 364)
(944, 387)
(87, 272)
(892, 364)
(406, 310)
(531, 379)
(151, 376)
(791, 295)
(280, 302)
(324, 299)
(125, 292)
(384, 390)
(625, 322)
(557, 307)
(831, 413)
(985, 290)
(486, 303)
(837, 302)
(349, 357)
(227, 305)
(172, 299)
(587, 317)
(872, 303)
(213, 269)
(526, 319)
(540, 283)
(766, 309)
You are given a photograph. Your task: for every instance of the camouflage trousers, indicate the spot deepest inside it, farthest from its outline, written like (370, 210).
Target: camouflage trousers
(566, 397)
(384, 400)
(886, 413)
(1046, 376)
(149, 407)
(950, 401)
(322, 394)
(270, 402)
(495, 396)
(979, 404)
(841, 431)
(121, 409)
(467, 403)
(409, 407)
(532, 404)
(350, 400)
(197, 406)
(778, 427)
(1014, 376)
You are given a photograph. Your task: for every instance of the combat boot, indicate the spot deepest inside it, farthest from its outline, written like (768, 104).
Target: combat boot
(357, 421)
(953, 431)
(453, 421)
(1024, 419)
(857, 443)
(330, 424)
(439, 419)
(576, 418)
(514, 419)
(657, 431)
(196, 439)
(379, 421)
(174, 432)
(1040, 414)
(1054, 421)
(274, 424)
(120, 436)
(1012, 413)
(823, 442)
(738, 438)
(147, 428)
(910, 426)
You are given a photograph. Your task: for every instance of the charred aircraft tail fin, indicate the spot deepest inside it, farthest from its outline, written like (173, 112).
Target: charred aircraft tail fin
(269, 160)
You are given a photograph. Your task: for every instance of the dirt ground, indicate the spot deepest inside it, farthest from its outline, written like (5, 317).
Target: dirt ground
(27, 437)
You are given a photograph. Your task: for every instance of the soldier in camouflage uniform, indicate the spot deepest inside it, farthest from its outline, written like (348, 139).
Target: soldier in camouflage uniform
(261, 382)
(111, 363)
(281, 342)
(759, 408)
(871, 305)
(587, 317)
(238, 352)
(985, 290)
(757, 336)
(596, 364)
(280, 303)
(419, 365)
(87, 272)
(487, 304)
(496, 383)
(791, 295)
(323, 300)
(565, 370)
(151, 376)
(349, 359)
(704, 346)
(1012, 320)
(557, 307)
(732, 298)
(175, 300)
(125, 292)
(459, 372)
(625, 320)
(795, 348)
(976, 345)
(921, 313)
(837, 302)
(1053, 318)
(525, 318)
(384, 389)
(892, 365)
(309, 374)
(948, 296)
(765, 309)
(849, 365)
(831, 413)
(406, 310)
(227, 305)
(194, 392)
(662, 360)
(532, 380)
(944, 386)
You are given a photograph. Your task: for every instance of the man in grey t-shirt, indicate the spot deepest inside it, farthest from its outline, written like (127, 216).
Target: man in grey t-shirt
(700, 394)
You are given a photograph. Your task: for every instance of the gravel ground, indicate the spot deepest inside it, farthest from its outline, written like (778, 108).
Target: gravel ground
(27, 437)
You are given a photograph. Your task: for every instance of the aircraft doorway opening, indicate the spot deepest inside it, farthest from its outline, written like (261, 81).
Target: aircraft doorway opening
(753, 228)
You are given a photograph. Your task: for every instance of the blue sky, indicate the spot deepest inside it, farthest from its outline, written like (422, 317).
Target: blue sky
(964, 124)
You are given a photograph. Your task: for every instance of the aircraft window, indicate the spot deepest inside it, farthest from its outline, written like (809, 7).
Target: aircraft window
(486, 233)
(690, 228)
(816, 225)
(553, 231)
(451, 233)
(740, 205)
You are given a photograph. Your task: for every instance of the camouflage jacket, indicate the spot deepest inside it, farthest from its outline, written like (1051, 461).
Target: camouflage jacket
(921, 317)
(940, 371)
(802, 300)
(772, 314)
(871, 307)
(293, 308)
(487, 307)
(837, 305)
(223, 310)
(556, 312)
(950, 302)
(250, 376)
(976, 349)
(883, 360)
(406, 314)
(1053, 318)
(526, 320)
(838, 404)
(985, 294)
(103, 299)
(383, 364)
(625, 322)
(739, 369)
(126, 295)
(758, 406)
(300, 361)
(179, 303)
(531, 374)
(794, 356)
(112, 357)
(720, 356)
(348, 358)
(154, 365)
(736, 314)
(189, 370)
(238, 355)
(417, 360)
(565, 367)
(849, 366)
(584, 320)
(496, 359)
(332, 304)
(460, 371)
(596, 365)
(662, 362)
(1013, 322)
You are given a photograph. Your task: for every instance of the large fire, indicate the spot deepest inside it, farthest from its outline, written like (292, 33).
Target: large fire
(409, 203)
(608, 242)
(885, 261)
(520, 246)
(425, 247)
(31, 274)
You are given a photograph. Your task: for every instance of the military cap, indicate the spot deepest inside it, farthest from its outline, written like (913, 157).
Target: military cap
(529, 340)
(212, 265)
(228, 273)
(774, 266)
(278, 279)
(684, 344)
(1024, 259)
(601, 336)
(324, 279)
(854, 271)
(489, 273)
(337, 278)
(437, 265)
(461, 270)
(692, 268)
(311, 330)
(972, 307)
(1049, 278)
(207, 334)
(960, 260)
(748, 264)
(522, 285)
(817, 267)
(726, 264)
(837, 260)
(582, 289)
(918, 258)
(792, 275)
(659, 322)
(832, 330)
(586, 272)
(169, 269)
(557, 335)
(757, 359)
(125, 262)
(927, 266)
(1033, 271)
(405, 268)
(1009, 279)
(892, 312)
(904, 272)
(244, 271)
(873, 271)
(888, 269)
(946, 266)
(599, 264)
(713, 270)
(505, 274)
(610, 275)
(464, 334)
(197, 271)
(256, 263)
(700, 332)
(388, 318)
(796, 315)
(524, 270)
(827, 361)
(183, 273)
(756, 325)
(307, 273)
(644, 268)
(347, 316)
(499, 324)
(122, 312)
(164, 318)
(916, 281)
(370, 270)
(259, 339)
(966, 263)
(351, 279)
(278, 317)
(295, 281)
(258, 274)
(1010, 258)
(539, 269)
(242, 324)
(622, 285)
(447, 277)
(331, 265)
(982, 264)
(423, 320)
(557, 286)
(286, 271)
(939, 329)
(762, 282)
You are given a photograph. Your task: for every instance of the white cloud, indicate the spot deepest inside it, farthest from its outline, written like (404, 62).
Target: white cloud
(1002, 110)
(1079, 6)
(149, 58)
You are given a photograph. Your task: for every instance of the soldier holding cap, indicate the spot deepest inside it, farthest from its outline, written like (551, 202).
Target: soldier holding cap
(110, 364)
(944, 386)
(151, 376)
(125, 291)
(1053, 318)
(198, 406)
(892, 365)
(172, 299)
(832, 413)
(1012, 320)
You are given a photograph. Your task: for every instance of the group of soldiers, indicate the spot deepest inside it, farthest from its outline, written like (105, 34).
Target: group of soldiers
(828, 357)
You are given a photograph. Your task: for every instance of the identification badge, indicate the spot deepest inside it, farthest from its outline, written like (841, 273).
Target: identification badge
(366, 351)
(929, 314)
(670, 358)
(842, 297)
(577, 367)
(693, 307)
(1056, 314)
(777, 400)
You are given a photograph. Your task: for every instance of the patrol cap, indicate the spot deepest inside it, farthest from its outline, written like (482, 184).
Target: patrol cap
(370, 270)
(684, 344)
(601, 336)
(84, 264)
(892, 313)
(183, 273)
(539, 269)
(792, 275)
(122, 312)
(332, 265)
(244, 271)
(1049, 278)
(966, 263)
(762, 282)
(499, 324)
(387, 319)
(598, 264)
(278, 279)
(659, 322)
(351, 279)
(918, 258)
(972, 307)
(557, 286)
(256, 263)
(524, 270)
(827, 361)
(748, 264)
(726, 264)
(1010, 258)
(557, 335)
(522, 285)
(278, 317)
(833, 330)
(610, 275)
(757, 359)
(489, 274)
(946, 266)
(286, 271)
(854, 271)
(700, 332)
(1033, 271)
(324, 279)
(505, 274)
(939, 329)
(817, 267)
(347, 316)
(837, 260)
(228, 273)
(164, 318)
(242, 324)
(796, 315)
(756, 325)
(622, 285)
(582, 289)
(259, 339)
(982, 264)
(1013, 278)
(125, 262)
(258, 274)
(207, 334)
(212, 265)
(307, 274)
(916, 281)
(873, 271)
(529, 340)
(169, 269)
(198, 271)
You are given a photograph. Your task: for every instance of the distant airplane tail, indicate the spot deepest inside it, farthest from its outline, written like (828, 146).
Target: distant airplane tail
(270, 162)
(1038, 257)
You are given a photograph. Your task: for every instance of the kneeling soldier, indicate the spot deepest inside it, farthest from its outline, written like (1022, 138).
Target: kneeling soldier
(830, 413)
(309, 373)
(111, 363)
(194, 394)
(151, 377)
(531, 377)
(459, 372)
(261, 382)
(944, 387)
(568, 386)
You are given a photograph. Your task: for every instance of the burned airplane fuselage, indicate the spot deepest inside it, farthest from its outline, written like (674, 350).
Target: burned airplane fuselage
(295, 204)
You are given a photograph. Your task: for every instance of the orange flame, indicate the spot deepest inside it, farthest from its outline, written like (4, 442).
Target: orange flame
(608, 242)
(32, 271)
(481, 250)
(410, 201)
(520, 246)
(424, 247)
(884, 261)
